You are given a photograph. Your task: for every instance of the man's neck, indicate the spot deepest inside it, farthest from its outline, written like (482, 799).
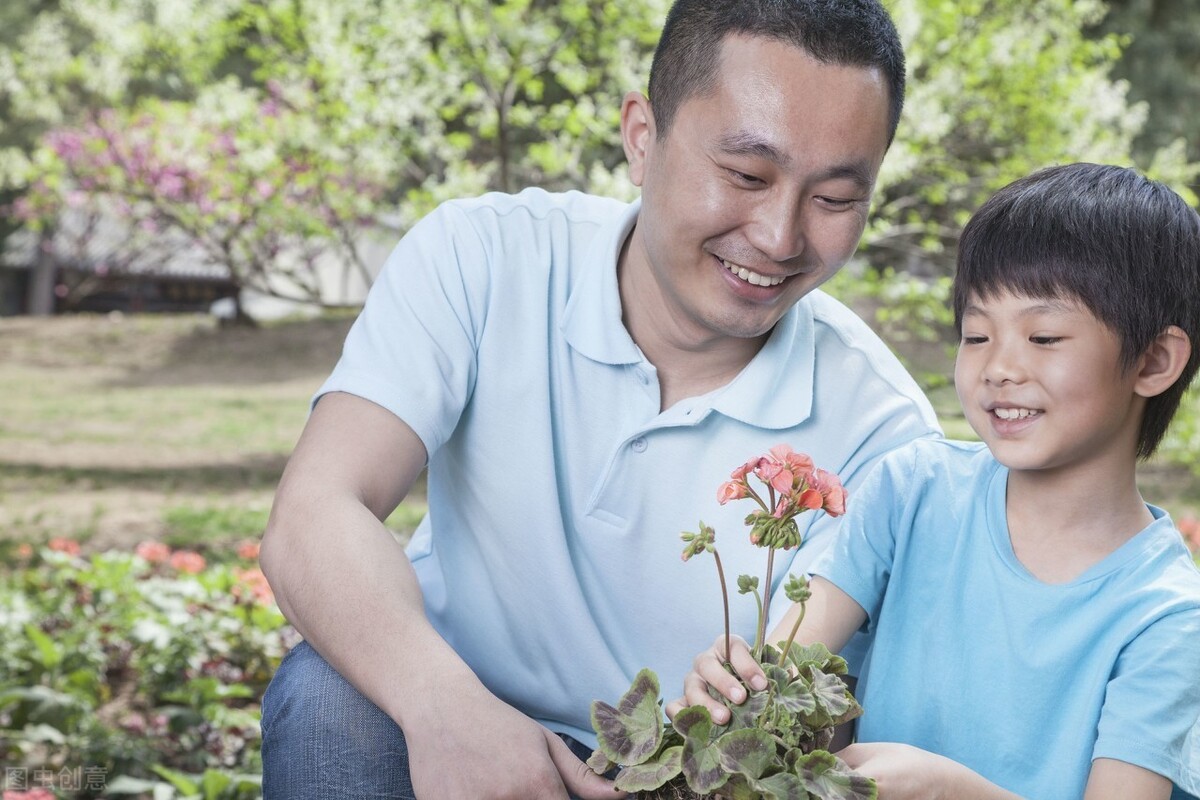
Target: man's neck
(690, 361)
(1062, 523)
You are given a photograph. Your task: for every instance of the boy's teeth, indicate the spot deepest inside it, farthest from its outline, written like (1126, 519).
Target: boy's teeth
(751, 277)
(1015, 413)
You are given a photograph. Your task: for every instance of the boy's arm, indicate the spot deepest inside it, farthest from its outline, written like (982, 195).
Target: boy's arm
(830, 616)
(903, 772)
(1115, 780)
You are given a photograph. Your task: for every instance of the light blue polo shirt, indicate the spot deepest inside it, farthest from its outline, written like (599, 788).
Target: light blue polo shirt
(550, 557)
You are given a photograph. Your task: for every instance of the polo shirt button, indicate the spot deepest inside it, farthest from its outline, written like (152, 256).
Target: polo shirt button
(639, 445)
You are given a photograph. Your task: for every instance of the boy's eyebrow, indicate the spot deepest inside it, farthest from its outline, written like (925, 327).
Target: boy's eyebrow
(1046, 306)
(744, 143)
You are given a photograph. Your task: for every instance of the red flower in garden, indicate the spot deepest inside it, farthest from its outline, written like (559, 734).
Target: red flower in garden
(187, 561)
(248, 551)
(154, 552)
(1190, 528)
(256, 582)
(32, 794)
(61, 544)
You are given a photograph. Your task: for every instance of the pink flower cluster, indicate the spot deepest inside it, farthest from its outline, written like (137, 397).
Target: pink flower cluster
(186, 561)
(32, 794)
(796, 484)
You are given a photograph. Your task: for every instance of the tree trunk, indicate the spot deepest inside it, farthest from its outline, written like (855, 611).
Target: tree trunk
(39, 297)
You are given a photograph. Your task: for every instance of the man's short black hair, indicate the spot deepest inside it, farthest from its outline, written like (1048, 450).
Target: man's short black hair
(1127, 248)
(855, 33)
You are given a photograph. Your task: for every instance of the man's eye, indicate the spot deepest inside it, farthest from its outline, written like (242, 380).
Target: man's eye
(836, 202)
(746, 177)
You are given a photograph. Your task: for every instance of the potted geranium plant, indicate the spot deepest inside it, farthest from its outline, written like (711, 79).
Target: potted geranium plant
(774, 746)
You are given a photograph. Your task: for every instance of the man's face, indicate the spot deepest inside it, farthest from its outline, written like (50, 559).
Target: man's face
(756, 195)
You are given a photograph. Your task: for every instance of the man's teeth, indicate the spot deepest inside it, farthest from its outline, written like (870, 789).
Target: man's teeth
(1015, 413)
(751, 277)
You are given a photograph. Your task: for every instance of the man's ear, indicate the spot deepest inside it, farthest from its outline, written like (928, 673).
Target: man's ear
(637, 133)
(1164, 360)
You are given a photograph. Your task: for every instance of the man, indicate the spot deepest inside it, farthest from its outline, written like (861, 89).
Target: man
(580, 375)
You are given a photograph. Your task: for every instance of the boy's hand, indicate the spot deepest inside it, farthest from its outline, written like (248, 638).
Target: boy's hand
(904, 772)
(709, 669)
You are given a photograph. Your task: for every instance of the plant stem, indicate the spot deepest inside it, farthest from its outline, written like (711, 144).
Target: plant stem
(761, 637)
(724, 601)
(792, 636)
(758, 641)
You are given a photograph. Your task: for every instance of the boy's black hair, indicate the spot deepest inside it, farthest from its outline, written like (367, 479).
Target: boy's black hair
(855, 33)
(1126, 247)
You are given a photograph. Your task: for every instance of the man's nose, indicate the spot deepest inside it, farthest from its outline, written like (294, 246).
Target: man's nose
(778, 230)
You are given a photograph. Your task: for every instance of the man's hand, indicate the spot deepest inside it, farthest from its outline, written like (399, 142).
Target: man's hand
(480, 747)
(708, 669)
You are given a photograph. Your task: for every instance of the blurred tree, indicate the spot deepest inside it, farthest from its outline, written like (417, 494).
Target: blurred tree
(998, 88)
(426, 101)
(1161, 61)
(233, 182)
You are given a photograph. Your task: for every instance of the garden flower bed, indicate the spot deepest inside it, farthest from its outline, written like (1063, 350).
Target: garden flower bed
(134, 674)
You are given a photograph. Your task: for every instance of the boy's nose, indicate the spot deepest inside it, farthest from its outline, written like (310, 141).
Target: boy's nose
(1002, 366)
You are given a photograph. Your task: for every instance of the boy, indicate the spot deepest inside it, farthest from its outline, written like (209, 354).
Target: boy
(1035, 625)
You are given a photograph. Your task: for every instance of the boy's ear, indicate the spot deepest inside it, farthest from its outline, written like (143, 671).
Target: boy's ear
(1164, 360)
(637, 133)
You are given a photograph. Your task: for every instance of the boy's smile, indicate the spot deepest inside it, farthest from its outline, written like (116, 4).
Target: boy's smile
(1042, 383)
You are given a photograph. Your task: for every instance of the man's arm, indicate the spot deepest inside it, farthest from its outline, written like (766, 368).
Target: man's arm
(345, 583)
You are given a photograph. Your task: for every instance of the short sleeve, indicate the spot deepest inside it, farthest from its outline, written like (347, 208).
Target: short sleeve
(1152, 702)
(859, 561)
(413, 348)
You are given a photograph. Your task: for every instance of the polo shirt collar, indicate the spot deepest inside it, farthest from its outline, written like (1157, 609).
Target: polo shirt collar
(775, 389)
(592, 318)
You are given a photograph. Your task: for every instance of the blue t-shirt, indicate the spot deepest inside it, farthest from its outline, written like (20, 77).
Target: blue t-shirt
(976, 659)
(550, 557)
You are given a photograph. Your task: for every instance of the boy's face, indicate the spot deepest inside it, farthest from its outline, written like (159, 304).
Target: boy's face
(1040, 380)
(758, 192)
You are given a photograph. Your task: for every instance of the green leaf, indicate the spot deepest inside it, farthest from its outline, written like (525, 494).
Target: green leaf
(797, 696)
(701, 760)
(830, 692)
(746, 714)
(600, 763)
(782, 786)
(50, 653)
(828, 777)
(186, 784)
(632, 731)
(750, 752)
(653, 773)
(213, 783)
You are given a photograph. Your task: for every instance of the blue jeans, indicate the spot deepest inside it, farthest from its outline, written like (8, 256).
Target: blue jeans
(323, 739)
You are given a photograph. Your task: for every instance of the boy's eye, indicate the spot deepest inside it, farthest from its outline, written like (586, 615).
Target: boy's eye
(1045, 339)
(974, 339)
